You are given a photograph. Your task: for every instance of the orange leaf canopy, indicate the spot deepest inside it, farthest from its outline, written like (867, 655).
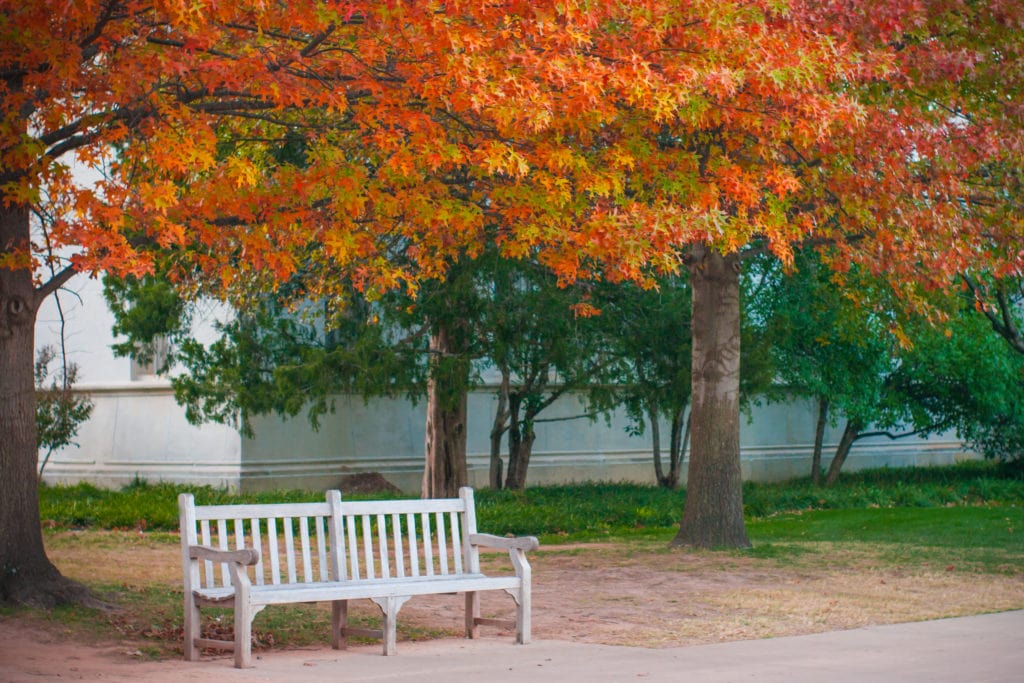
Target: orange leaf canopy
(247, 142)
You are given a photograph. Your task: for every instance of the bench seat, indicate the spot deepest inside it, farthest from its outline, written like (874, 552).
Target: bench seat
(350, 590)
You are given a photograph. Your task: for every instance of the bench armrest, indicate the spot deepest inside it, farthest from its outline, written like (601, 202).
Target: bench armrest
(503, 543)
(245, 556)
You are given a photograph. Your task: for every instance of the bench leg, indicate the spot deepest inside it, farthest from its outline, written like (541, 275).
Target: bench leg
(339, 620)
(390, 607)
(243, 634)
(472, 614)
(193, 625)
(522, 598)
(523, 615)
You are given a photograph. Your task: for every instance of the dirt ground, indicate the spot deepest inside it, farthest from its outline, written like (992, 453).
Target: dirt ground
(641, 595)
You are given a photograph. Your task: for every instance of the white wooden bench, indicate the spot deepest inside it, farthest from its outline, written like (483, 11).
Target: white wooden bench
(249, 556)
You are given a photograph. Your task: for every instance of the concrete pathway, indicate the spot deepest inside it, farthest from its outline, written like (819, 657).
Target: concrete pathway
(962, 650)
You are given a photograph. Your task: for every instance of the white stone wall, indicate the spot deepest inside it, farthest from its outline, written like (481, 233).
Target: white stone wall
(138, 431)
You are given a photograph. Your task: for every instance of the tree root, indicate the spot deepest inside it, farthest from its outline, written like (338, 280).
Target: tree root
(47, 591)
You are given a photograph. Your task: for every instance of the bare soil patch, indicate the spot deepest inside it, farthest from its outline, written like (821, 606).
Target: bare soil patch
(639, 594)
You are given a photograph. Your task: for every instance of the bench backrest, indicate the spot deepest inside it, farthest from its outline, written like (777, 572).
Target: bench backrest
(333, 540)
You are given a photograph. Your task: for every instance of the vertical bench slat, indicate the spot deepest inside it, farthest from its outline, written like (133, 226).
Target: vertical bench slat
(396, 530)
(257, 543)
(339, 572)
(472, 554)
(239, 533)
(238, 525)
(321, 548)
(456, 541)
(222, 543)
(442, 542)
(428, 543)
(187, 522)
(204, 530)
(382, 544)
(414, 553)
(371, 571)
(353, 547)
(275, 561)
(289, 547)
(307, 569)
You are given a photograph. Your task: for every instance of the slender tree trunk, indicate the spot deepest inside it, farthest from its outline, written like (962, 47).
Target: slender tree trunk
(26, 575)
(713, 513)
(850, 434)
(520, 444)
(819, 439)
(445, 446)
(659, 471)
(678, 441)
(498, 429)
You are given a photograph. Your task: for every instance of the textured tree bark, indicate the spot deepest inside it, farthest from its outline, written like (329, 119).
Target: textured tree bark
(445, 445)
(26, 575)
(713, 512)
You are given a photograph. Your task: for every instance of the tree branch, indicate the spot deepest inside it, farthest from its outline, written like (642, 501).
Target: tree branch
(893, 437)
(54, 283)
(1002, 322)
(101, 23)
(589, 416)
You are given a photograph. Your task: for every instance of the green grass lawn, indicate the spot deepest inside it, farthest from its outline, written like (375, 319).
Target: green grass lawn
(580, 511)
(959, 527)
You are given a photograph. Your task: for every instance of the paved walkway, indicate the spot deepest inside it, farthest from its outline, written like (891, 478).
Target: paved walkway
(968, 649)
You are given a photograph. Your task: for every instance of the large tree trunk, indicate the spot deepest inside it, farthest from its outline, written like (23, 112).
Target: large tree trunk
(713, 513)
(445, 445)
(819, 439)
(26, 575)
(520, 444)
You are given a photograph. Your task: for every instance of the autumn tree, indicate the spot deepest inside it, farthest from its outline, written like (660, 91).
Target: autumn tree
(617, 139)
(671, 134)
(647, 135)
(147, 92)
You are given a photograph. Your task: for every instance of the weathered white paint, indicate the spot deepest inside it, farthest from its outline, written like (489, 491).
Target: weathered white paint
(353, 561)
